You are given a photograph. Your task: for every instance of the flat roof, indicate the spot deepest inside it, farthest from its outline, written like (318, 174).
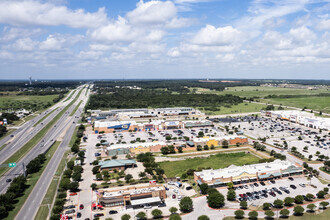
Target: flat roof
(145, 201)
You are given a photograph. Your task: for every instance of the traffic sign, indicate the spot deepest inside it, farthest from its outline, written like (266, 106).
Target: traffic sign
(12, 165)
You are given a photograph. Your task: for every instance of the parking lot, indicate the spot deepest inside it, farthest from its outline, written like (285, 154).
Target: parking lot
(278, 132)
(256, 195)
(177, 135)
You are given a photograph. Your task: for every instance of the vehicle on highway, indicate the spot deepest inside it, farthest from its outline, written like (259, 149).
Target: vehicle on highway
(8, 180)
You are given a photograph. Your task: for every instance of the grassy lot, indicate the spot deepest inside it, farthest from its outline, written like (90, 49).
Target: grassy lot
(307, 216)
(32, 179)
(240, 108)
(177, 168)
(13, 101)
(312, 102)
(258, 91)
(29, 145)
(43, 118)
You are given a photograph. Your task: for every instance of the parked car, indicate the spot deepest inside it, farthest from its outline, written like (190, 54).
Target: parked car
(98, 215)
(78, 215)
(147, 206)
(81, 206)
(163, 204)
(71, 211)
(73, 194)
(112, 212)
(293, 186)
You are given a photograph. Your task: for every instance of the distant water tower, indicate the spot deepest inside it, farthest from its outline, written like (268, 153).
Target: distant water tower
(30, 80)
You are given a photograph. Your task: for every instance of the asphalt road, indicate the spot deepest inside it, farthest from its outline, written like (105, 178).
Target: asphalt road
(39, 148)
(23, 134)
(31, 205)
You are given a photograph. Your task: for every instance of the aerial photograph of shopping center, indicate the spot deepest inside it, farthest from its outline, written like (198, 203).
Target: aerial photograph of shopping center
(164, 109)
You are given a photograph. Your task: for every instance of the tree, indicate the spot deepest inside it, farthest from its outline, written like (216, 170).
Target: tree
(225, 144)
(175, 217)
(64, 184)
(269, 213)
(309, 196)
(73, 186)
(278, 203)
(204, 187)
(186, 205)
(168, 137)
(239, 214)
(128, 178)
(206, 147)
(288, 201)
(142, 174)
(230, 185)
(141, 216)
(284, 212)
(324, 204)
(67, 173)
(326, 189)
(320, 194)
(95, 170)
(243, 204)
(3, 212)
(81, 154)
(76, 176)
(125, 217)
(164, 150)
(266, 206)
(93, 186)
(199, 148)
(203, 217)
(298, 210)
(253, 215)
(98, 176)
(180, 149)
(173, 210)
(156, 213)
(299, 199)
(215, 199)
(231, 195)
(171, 148)
(311, 207)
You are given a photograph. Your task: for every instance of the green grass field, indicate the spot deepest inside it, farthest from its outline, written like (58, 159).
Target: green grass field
(177, 168)
(13, 101)
(235, 109)
(32, 179)
(258, 91)
(317, 103)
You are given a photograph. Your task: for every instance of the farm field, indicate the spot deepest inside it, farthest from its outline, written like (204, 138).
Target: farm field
(177, 168)
(318, 103)
(28, 102)
(258, 91)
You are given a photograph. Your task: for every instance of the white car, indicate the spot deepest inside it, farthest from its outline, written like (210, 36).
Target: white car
(147, 206)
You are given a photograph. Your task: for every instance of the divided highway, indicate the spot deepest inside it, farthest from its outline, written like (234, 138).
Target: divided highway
(32, 204)
(39, 148)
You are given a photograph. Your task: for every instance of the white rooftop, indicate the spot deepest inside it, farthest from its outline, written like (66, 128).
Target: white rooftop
(135, 145)
(229, 137)
(232, 171)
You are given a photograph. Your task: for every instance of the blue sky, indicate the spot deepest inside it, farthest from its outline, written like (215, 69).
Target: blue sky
(116, 39)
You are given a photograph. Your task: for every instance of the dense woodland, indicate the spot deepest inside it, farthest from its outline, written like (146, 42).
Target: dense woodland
(127, 98)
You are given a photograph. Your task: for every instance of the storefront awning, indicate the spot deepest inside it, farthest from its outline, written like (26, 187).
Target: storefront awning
(277, 174)
(145, 201)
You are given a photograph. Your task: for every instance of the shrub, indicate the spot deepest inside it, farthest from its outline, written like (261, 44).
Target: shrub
(239, 214)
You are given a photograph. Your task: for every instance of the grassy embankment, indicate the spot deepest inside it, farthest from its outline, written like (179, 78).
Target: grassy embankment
(32, 179)
(177, 168)
(29, 145)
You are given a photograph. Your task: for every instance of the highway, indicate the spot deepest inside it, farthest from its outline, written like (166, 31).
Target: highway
(22, 135)
(32, 204)
(39, 148)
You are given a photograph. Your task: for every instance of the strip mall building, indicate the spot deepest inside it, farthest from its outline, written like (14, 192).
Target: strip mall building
(248, 173)
(217, 141)
(155, 125)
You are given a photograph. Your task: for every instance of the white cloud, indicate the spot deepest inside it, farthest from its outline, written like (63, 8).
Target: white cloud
(51, 43)
(173, 52)
(225, 57)
(324, 25)
(302, 35)
(36, 13)
(212, 36)
(12, 33)
(24, 44)
(152, 12)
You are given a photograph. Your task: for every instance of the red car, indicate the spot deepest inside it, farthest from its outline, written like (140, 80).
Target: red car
(81, 206)
(73, 194)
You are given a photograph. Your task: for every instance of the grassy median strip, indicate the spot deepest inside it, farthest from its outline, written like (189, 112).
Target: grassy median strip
(32, 180)
(70, 96)
(43, 118)
(29, 145)
(75, 109)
